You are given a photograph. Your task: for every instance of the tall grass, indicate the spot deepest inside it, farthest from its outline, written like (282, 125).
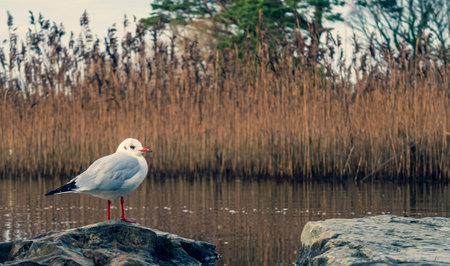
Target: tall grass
(228, 113)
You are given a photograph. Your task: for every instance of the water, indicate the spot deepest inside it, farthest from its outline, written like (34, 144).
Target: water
(250, 222)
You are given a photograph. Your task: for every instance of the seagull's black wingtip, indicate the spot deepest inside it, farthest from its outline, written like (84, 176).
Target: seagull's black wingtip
(66, 188)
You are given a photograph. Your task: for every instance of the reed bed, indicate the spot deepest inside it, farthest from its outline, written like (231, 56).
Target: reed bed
(221, 113)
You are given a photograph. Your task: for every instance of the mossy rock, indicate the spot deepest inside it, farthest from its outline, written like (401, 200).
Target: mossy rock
(108, 243)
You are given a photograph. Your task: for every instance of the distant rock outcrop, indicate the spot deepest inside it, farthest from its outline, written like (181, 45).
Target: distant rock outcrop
(378, 240)
(108, 243)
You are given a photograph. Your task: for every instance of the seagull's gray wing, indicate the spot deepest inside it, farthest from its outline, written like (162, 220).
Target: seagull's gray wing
(108, 173)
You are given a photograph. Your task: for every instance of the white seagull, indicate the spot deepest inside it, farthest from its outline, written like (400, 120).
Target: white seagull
(112, 176)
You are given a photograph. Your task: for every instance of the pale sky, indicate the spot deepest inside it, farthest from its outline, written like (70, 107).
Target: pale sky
(102, 13)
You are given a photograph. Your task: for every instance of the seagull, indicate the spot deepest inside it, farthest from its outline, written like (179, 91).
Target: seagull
(112, 176)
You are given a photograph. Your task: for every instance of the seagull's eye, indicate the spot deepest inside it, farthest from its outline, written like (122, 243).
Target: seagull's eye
(125, 147)
(132, 147)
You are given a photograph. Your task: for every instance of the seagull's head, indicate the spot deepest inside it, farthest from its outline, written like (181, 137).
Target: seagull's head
(132, 146)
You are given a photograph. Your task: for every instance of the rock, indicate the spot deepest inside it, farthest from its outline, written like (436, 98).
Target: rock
(112, 243)
(378, 240)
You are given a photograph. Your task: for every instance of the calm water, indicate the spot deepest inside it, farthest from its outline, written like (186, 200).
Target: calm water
(250, 222)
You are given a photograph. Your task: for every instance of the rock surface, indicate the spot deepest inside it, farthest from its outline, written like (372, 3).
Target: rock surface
(108, 243)
(378, 240)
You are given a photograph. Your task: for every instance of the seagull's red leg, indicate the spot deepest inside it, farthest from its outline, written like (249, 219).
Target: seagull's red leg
(122, 217)
(109, 204)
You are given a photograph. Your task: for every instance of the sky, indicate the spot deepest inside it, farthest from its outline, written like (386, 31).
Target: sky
(102, 13)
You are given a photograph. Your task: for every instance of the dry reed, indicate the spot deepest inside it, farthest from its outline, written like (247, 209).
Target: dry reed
(215, 113)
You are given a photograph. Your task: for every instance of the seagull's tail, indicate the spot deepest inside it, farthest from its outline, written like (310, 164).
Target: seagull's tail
(69, 187)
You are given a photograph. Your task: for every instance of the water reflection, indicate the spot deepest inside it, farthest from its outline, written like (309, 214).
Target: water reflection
(250, 222)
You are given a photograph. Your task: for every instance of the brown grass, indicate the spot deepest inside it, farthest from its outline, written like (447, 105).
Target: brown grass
(215, 113)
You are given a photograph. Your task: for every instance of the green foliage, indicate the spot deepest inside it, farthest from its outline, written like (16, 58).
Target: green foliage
(239, 22)
(251, 18)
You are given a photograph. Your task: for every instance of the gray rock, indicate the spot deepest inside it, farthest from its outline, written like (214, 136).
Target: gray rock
(108, 243)
(378, 240)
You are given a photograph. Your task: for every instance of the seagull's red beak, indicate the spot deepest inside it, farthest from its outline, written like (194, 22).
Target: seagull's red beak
(145, 150)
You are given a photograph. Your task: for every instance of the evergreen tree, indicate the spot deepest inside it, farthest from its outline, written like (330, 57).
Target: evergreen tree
(234, 22)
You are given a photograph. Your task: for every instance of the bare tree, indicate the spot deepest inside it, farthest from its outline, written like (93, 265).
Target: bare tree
(416, 23)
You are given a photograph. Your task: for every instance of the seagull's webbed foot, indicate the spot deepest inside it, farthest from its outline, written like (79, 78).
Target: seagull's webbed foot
(126, 220)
